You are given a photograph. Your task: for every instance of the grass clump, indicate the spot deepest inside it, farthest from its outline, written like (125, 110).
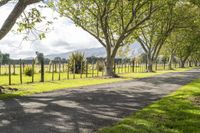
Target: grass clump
(28, 71)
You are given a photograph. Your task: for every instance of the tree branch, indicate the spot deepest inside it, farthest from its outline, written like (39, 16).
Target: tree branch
(12, 18)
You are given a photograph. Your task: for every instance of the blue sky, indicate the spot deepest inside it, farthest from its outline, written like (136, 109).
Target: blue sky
(64, 37)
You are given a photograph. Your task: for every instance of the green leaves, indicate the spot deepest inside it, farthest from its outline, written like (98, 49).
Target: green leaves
(30, 19)
(42, 36)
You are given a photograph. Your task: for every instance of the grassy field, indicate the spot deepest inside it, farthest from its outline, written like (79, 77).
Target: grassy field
(15, 78)
(32, 88)
(176, 113)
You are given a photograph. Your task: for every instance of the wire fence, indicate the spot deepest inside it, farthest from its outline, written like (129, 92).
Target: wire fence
(12, 74)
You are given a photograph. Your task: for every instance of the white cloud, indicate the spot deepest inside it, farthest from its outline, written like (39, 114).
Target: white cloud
(64, 37)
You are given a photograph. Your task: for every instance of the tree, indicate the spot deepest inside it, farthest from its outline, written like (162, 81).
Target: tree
(170, 17)
(14, 15)
(153, 36)
(4, 58)
(170, 47)
(189, 44)
(111, 22)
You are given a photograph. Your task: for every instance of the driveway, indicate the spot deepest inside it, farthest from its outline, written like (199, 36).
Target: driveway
(86, 109)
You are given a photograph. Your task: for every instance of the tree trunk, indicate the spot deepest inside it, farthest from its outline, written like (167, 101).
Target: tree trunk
(190, 63)
(109, 67)
(170, 62)
(42, 70)
(182, 64)
(149, 64)
(195, 63)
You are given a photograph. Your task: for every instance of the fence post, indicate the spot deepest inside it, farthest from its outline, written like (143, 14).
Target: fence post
(81, 69)
(14, 72)
(122, 66)
(59, 70)
(125, 67)
(20, 67)
(33, 70)
(74, 69)
(114, 67)
(9, 73)
(42, 70)
(92, 69)
(23, 66)
(86, 65)
(53, 71)
(103, 69)
(68, 70)
(133, 69)
(97, 70)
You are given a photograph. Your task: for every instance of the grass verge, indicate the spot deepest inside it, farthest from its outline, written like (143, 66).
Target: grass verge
(33, 88)
(176, 113)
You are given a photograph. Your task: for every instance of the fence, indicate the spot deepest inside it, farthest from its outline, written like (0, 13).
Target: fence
(12, 74)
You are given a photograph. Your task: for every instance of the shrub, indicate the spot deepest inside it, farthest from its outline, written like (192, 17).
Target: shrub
(77, 59)
(28, 71)
(100, 66)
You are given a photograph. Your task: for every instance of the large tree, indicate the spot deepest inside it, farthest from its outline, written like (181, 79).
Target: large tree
(14, 15)
(187, 44)
(111, 22)
(172, 16)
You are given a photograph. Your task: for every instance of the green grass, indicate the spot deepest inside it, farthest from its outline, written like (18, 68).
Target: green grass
(33, 88)
(176, 113)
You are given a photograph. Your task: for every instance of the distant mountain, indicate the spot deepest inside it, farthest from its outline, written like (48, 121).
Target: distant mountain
(135, 49)
(97, 52)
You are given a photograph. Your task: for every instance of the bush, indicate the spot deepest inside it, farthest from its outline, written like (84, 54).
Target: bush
(100, 66)
(77, 59)
(28, 71)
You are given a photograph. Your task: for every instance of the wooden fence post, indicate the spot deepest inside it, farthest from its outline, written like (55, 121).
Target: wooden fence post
(23, 67)
(14, 67)
(59, 77)
(92, 69)
(68, 70)
(81, 69)
(20, 67)
(133, 69)
(114, 67)
(9, 73)
(53, 71)
(42, 70)
(86, 65)
(125, 67)
(74, 69)
(33, 70)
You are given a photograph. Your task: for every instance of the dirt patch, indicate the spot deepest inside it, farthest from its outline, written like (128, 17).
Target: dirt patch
(195, 100)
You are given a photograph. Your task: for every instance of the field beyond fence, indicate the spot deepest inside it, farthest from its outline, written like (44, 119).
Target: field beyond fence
(15, 74)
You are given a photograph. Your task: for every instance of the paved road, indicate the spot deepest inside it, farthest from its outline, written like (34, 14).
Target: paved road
(84, 110)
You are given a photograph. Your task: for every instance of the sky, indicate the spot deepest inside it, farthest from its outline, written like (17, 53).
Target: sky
(63, 37)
